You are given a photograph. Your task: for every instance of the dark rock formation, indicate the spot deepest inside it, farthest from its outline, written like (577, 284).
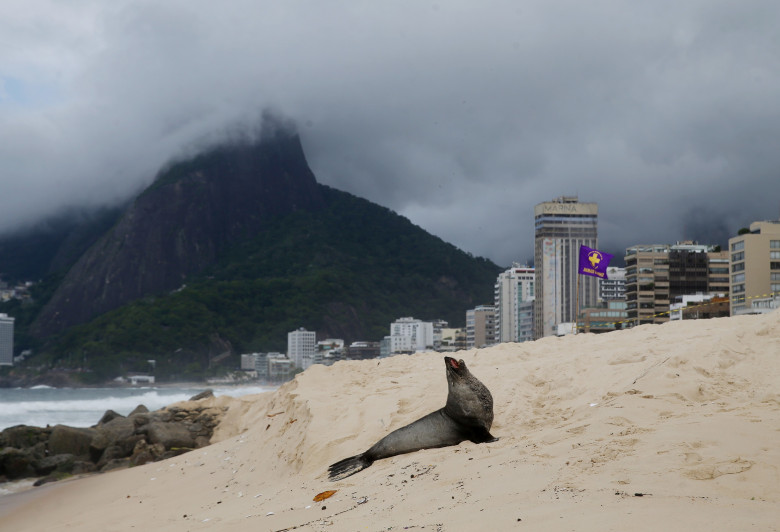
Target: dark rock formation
(16, 463)
(205, 394)
(181, 223)
(115, 442)
(70, 440)
(169, 435)
(140, 409)
(23, 436)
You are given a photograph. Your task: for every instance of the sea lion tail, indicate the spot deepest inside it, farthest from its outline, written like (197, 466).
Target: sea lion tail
(348, 466)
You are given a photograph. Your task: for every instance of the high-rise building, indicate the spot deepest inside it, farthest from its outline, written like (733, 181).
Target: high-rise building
(480, 326)
(755, 268)
(514, 288)
(697, 269)
(659, 274)
(561, 227)
(301, 347)
(6, 340)
(647, 283)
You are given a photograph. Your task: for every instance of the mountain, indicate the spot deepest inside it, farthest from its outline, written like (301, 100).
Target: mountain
(228, 251)
(181, 224)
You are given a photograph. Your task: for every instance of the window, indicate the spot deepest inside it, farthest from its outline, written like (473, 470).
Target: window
(774, 244)
(736, 257)
(774, 254)
(775, 277)
(739, 267)
(775, 287)
(738, 278)
(738, 288)
(774, 265)
(738, 246)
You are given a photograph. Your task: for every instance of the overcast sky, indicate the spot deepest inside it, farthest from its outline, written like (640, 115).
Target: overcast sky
(459, 115)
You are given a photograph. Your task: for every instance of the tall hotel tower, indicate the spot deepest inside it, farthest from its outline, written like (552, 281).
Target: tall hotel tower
(562, 225)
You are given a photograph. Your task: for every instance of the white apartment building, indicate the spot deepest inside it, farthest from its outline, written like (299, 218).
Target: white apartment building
(301, 347)
(613, 288)
(408, 335)
(6, 340)
(248, 361)
(514, 288)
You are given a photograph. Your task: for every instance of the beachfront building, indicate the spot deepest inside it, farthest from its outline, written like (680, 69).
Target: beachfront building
(647, 283)
(301, 347)
(699, 307)
(607, 316)
(409, 335)
(513, 290)
(755, 268)
(6, 340)
(525, 321)
(658, 274)
(361, 350)
(279, 367)
(613, 287)
(438, 326)
(452, 340)
(561, 227)
(248, 361)
(329, 351)
(480, 326)
(692, 267)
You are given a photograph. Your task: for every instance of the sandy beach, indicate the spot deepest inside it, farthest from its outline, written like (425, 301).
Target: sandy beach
(661, 427)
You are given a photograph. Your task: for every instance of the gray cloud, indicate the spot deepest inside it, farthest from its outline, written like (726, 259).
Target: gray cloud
(460, 116)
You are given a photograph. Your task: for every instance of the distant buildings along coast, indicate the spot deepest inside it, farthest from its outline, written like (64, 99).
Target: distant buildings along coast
(659, 283)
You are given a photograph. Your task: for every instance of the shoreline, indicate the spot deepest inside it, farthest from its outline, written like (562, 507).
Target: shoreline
(17, 501)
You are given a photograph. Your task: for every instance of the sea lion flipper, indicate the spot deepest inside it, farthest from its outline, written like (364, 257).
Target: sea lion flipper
(482, 435)
(348, 466)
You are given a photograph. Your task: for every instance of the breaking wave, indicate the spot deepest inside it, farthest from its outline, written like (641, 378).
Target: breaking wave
(83, 407)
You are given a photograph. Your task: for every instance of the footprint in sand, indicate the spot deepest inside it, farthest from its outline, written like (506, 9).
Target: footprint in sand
(712, 471)
(692, 458)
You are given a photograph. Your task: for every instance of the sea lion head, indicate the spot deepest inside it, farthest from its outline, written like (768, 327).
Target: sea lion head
(456, 369)
(468, 400)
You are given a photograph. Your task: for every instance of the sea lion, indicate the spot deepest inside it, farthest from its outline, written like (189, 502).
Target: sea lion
(467, 415)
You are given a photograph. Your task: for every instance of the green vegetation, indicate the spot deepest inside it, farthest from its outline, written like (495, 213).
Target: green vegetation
(347, 271)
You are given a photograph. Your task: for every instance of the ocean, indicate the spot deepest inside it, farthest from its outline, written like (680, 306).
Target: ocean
(83, 407)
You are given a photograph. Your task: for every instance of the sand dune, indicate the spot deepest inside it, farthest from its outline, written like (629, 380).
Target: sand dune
(672, 427)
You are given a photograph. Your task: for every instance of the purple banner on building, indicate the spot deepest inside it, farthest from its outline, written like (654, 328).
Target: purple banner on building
(594, 262)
